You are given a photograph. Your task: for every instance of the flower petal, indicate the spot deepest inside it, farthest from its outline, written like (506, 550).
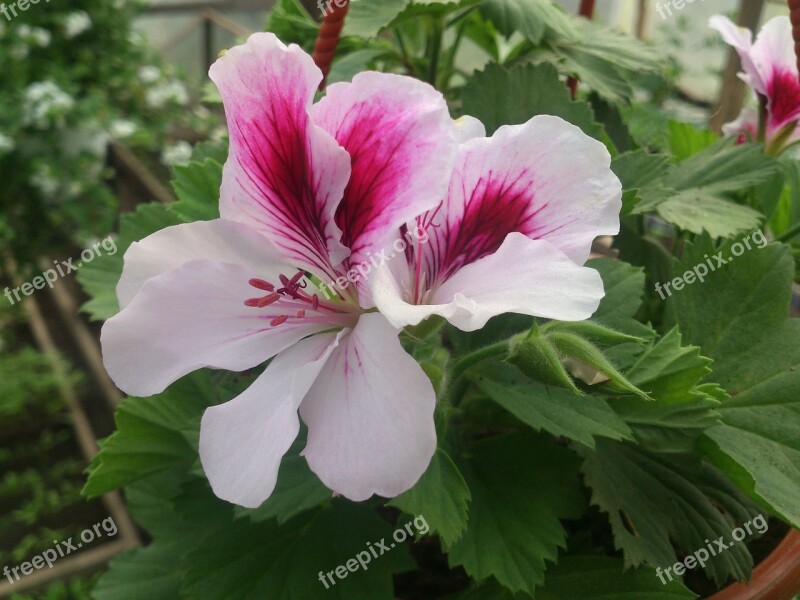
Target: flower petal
(741, 39)
(220, 240)
(284, 175)
(370, 415)
(774, 56)
(401, 138)
(530, 277)
(242, 441)
(194, 317)
(545, 179)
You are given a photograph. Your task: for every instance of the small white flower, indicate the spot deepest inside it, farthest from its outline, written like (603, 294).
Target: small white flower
(177, 154)
(76, 23)
(6, 144)
(41, 37)
(122, 128)
(149, 74)
(45, 102)
(171, 92)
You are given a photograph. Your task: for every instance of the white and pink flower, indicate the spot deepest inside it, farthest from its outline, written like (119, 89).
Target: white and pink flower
(309, 191)
(770, 68)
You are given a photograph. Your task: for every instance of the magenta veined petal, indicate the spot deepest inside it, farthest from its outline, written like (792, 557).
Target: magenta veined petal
(284, 175)
(402, 141)
(545, 179)
(370, 415)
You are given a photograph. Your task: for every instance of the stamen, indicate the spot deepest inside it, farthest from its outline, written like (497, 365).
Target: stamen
(314, 302)
(268, 299)
(300, 314)
(262, 285)
(278, 320)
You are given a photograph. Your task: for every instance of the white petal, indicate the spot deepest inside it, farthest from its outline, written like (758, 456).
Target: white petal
(220, 240)
(469, 128)
(242, 441)
(525, 276)
(370, 415)
(194, 317)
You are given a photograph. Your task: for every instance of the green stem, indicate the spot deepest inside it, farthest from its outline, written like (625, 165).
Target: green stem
(435, 50)
(467, 361)
(789, 233)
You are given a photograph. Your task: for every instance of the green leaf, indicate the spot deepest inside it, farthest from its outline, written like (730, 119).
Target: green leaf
(528, 90)
(143, 573)
(685, 140)
(99, 278)
(640, 172)
(441, 496)
(698, 210)
(151, 435)
(604, 59)
(366, 19)
(605, 578)
(521, 486)
(739, 318)
(555, 410)
(297, 491)
(671, 373)
(531, 18)
(349, 65)
(657, 502)
(197, 187)
(262, 561)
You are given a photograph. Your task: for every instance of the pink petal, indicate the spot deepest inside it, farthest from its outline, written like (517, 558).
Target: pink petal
(192, 317)
(744, 128)
(545, 179)
(530, 277)
(242, 441)
(774, 56)
(220, 240)
(741, 39)
(284, 175)
(402, 142)
(370, 415)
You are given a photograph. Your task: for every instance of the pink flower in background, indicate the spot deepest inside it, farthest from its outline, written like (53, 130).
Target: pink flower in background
(307, 188)
(518, 221)
(770, 68)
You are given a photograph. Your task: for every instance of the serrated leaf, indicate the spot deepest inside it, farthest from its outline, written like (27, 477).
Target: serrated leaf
(521, 486)
(197, 186)
(682, 409)
(739, 318)
(531, 18)
(261, 561)
(528, 90)
(150, 435)
(698, 210)
(605, 578)
(366, 19)
(142, 573)
(296, 491)
(99, 278)
(555, 410)
(441, 496)
(657, 502)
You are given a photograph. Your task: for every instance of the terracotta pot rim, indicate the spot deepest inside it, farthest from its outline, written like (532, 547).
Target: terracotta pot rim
(777, 577)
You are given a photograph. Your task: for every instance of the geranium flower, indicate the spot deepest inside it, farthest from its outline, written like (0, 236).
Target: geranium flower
(311, 194)
(770, 68)
(518, 221)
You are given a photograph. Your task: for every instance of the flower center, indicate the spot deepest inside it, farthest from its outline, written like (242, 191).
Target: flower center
(290, 301)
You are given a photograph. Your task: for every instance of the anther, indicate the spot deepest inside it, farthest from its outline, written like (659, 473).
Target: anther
(268, 299)
(262, 285)
(278, 320)
(300, 314)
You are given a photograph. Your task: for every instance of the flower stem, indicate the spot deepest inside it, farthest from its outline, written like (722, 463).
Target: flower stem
(328, 38)
(436, 50)
(467, 361)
